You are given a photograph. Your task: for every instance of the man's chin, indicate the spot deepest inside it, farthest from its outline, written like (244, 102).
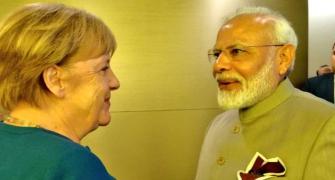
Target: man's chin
(228, 103)
(240, 101)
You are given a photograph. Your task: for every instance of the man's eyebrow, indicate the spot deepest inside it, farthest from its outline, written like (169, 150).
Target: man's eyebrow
(228, 47)
(234, 46)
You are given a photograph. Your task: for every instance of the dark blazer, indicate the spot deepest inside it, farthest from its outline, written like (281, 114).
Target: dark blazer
(321, 86)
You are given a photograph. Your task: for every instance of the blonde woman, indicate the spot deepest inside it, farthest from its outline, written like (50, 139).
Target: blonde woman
(55, 88)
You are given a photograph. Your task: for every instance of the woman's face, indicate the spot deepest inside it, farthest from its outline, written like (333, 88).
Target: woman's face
(89, 90)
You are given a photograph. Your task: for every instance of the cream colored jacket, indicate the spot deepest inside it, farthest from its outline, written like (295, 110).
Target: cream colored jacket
(290, 124)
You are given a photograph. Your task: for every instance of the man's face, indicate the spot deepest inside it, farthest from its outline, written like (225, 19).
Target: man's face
(333, 58)
(246, 75)
(324, 70)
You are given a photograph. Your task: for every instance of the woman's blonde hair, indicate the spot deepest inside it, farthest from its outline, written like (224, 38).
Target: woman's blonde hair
(41, 35)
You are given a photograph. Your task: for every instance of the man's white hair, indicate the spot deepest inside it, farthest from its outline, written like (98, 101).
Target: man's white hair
(284, 32)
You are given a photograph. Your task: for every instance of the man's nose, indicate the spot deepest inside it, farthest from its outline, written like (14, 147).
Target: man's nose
(223, 63)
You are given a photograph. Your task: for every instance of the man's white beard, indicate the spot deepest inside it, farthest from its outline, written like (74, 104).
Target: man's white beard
(253, 90)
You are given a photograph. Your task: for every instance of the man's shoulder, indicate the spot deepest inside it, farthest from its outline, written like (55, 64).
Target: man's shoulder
(308, 104)
(311, 99)
(322, 78)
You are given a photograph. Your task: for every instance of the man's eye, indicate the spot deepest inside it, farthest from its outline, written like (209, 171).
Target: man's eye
(217, 54)
(236, 51)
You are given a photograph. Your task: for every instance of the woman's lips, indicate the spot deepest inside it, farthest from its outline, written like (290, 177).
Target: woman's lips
(107, 100)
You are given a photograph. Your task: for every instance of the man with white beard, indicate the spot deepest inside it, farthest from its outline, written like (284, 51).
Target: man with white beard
(269, 128)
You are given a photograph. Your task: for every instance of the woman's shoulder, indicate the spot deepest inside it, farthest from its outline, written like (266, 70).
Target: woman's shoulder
(73, 160)
(48, 154)
(61, 147)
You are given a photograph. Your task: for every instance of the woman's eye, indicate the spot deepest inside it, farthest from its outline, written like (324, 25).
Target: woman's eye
(105, 68)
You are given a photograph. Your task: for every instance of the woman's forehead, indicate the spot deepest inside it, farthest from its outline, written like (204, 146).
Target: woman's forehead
(92, 64)
(87, 52)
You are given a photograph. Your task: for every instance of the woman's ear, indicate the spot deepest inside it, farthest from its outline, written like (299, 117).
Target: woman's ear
(286, 58)
(52, 77)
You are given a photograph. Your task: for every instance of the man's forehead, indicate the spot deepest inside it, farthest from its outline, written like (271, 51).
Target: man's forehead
(251, 20)
(248, 29)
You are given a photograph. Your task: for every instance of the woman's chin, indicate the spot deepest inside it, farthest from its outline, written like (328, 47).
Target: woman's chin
(105, 120)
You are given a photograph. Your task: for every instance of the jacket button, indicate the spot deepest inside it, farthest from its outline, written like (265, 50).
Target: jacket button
(236, 129)
(220, 161)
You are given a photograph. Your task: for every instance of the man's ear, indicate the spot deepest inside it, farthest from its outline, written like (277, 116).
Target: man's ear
(52, 77)
(286, 58)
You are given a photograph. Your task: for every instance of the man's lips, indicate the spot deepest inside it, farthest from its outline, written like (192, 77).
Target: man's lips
(228, 84)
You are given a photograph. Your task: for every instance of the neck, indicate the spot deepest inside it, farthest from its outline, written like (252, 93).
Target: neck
(33, 117)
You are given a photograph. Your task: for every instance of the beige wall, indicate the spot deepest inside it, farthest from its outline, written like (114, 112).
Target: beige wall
(321, 28)
(167, 95)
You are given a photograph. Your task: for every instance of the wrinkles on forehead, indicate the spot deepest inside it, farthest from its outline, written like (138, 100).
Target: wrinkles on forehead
(248, 30)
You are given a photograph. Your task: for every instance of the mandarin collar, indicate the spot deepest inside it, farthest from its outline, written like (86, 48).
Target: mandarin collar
(283, 91)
